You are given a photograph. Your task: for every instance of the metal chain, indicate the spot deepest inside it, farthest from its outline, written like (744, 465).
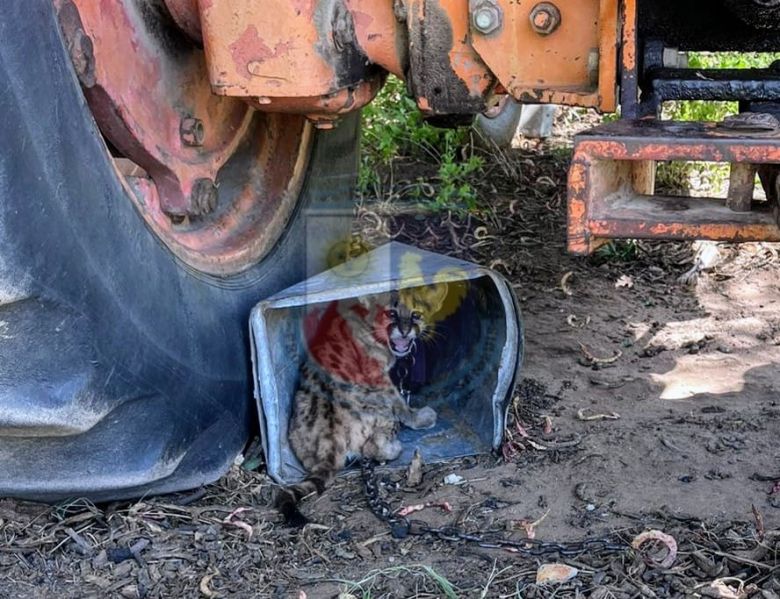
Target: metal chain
(401, 527)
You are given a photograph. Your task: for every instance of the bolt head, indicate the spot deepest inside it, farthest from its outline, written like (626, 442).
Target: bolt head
(191, 131)
(542, 19)
(486, 17)
(545, 18)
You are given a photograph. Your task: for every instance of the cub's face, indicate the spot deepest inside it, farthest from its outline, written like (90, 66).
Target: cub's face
(410, 315)
(405, 325)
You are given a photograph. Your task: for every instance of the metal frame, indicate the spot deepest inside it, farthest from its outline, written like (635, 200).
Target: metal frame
(611, 184)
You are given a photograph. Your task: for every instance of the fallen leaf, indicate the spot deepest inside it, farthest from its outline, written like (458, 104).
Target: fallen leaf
(657, 535)
(530, 527)
(565, 283)
(555, 573)
(204, 585)
(231, 521)
(576, 322)
(582, 416)
(418, 507)
(719, 589)
(594, 360)
(624, 281)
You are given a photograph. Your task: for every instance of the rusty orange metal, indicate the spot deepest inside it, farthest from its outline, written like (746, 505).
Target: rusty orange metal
(140, 95)
(185, 14)
(300, 56)
(611, 192)
(153, 103)
(320, 58)
(455, 54)
(381, 34)
(265, 48)
(446, 74)
(574, 62)
(629, 69)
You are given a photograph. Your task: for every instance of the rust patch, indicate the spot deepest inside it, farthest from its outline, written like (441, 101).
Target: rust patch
(611, 185)
(433, 73)
(249, 52)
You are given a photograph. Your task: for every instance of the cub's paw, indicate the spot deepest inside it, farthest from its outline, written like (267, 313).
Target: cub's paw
(389, 451)
(424, 418)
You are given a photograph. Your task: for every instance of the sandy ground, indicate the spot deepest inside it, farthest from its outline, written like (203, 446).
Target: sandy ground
(686, 374)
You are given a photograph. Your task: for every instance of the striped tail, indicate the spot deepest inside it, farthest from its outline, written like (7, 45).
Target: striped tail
(288, 498)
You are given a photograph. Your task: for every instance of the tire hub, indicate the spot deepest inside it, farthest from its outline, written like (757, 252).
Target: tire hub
(213, 178)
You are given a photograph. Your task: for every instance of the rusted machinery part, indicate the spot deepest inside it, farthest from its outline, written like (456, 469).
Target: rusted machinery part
(185, 13)
(311, 58)
(215, 179)
(611, 193)
(327, 58)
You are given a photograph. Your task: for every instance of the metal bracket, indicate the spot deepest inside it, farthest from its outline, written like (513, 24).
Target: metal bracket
(611, 191)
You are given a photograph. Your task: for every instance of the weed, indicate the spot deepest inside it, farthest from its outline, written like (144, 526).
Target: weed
(393, 128)
(618, 250)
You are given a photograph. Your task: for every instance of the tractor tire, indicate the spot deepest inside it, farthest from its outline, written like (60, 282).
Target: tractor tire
(123, 371)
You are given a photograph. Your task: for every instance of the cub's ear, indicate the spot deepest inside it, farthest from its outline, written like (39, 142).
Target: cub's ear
(365, 300)
(381, 299)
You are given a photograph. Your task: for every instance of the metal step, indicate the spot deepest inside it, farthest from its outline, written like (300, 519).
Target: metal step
(612, 176)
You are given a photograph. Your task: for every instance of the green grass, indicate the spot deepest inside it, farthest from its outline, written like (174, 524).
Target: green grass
(393, 128)
(368, 586)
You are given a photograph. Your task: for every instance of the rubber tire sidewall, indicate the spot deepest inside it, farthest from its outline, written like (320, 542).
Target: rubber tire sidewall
(69, 234)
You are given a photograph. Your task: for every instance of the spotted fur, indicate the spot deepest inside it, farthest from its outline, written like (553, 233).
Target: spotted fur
(346, 403)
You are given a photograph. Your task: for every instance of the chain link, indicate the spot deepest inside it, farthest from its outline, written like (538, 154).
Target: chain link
(401, 527)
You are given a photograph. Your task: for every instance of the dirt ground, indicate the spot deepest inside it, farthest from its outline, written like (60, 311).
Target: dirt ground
(690, 445)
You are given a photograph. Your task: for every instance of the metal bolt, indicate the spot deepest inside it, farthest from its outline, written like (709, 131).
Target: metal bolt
(204, 196)
(545, 18)
(191, 131)
(486, 17)
(674, 59)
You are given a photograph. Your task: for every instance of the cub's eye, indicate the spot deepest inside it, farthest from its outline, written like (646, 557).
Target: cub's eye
(416, 315)
(393, 314)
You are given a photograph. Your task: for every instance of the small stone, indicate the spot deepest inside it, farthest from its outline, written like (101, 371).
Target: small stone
(453, 479)
(590, 507)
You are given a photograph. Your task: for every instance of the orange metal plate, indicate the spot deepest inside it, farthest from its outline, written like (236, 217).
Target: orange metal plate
(264, 48)
(447, 74)
(576, 64)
